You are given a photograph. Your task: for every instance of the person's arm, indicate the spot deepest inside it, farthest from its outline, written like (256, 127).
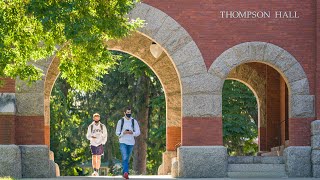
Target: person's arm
(118, 129)
(89, 133)
(105, 134)
(136, 129)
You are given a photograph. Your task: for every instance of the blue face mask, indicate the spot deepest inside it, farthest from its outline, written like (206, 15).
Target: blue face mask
(128, 115)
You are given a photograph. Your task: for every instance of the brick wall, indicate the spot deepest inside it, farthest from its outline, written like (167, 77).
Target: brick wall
(7, 122)
(173, 138)
(197, 131)
(30, 130)
(8, 86)
(262, 139)
(318, 61)
(273, 108)
(7, 129)
(214, 35)
(299, 131)
(283, 111)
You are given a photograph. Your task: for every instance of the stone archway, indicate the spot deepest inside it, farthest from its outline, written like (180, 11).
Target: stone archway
(301, 103)
(178, 68)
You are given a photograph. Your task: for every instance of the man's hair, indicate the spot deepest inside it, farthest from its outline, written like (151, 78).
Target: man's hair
(127, 108)
(95, 114)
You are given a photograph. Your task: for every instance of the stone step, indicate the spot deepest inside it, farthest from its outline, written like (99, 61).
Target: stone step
(273, 153)
(255, 160)
(257, 175)
(256, 168)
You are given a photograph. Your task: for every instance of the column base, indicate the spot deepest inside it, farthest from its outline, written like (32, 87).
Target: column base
(298, 161)
(10, 161)
(202, 161)
(165, 167)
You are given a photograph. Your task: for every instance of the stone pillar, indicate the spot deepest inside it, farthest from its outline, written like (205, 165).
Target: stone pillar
(10, 161)
(315, 144)
(202, 161)
(29, 114)
(297, 161)
(36, 163)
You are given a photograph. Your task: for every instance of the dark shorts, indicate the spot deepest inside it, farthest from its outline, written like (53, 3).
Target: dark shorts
(96, 150)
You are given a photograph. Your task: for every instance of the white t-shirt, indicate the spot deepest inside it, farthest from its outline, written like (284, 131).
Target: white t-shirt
(100, 134)
(127, 139)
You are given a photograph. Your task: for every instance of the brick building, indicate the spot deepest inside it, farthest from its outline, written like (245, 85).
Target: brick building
(271, 46)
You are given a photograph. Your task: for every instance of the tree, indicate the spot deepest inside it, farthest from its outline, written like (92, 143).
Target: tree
(240, 118)
(72, 30)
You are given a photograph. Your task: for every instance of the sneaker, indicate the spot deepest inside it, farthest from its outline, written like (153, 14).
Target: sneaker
(95, 173)
(126, 175)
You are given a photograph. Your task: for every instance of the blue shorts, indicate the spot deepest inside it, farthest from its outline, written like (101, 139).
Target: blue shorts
(97, 150)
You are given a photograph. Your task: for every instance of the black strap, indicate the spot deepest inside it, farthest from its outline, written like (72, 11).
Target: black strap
(122, 122)
(101, 126)
(132, 124)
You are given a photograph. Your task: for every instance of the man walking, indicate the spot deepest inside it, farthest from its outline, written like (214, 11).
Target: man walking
(127, 129)
(97, 134)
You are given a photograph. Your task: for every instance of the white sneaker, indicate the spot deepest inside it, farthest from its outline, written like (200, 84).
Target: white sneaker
(95, 173)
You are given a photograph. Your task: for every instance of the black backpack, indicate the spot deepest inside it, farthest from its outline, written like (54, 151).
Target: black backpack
(122, 122)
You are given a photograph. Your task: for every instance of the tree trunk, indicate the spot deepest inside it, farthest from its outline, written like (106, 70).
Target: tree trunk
(142, 109)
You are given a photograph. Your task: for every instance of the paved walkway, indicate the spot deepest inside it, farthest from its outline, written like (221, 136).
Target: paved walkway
(160, 178)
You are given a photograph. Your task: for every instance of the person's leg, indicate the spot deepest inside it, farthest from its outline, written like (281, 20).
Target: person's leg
(93, 152)
(129, 152)
(125, 166)
(94, 161)
(99, 153)
(98, 162)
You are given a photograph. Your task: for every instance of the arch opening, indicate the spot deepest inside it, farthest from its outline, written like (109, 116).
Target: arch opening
(138, 45)
(271, 94)
(300, 104)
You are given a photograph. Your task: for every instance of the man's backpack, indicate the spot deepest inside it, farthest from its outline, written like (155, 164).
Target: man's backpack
(101, 126)
(122, 122)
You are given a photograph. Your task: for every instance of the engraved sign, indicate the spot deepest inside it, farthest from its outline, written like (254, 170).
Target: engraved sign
(259, 14)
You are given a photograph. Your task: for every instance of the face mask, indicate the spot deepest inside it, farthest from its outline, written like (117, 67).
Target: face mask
(128, 115)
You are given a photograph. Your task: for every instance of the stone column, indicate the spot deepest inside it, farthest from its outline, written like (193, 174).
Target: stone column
(315, 143)
(298, 161)
(36, 162)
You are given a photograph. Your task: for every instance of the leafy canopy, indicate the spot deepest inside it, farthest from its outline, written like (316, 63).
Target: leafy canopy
(72, 30)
